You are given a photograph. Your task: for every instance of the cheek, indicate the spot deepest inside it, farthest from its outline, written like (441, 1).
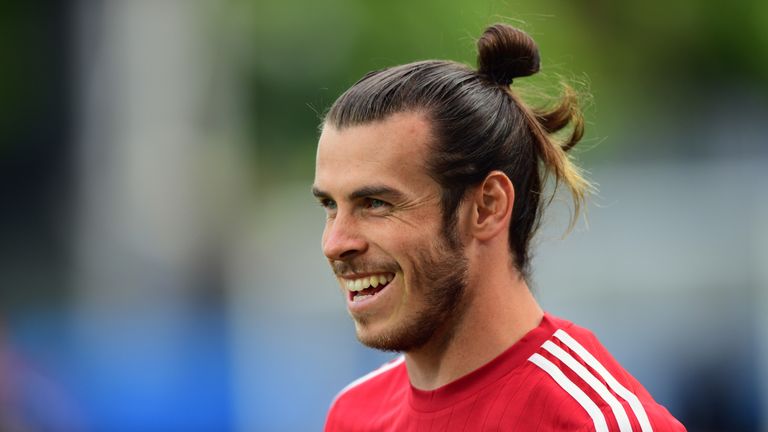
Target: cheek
(406, 251)
(400, 249)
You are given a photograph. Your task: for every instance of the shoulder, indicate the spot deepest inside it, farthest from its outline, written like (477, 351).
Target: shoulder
(372, 381)
(658, 420)
(578, 370)
(370, 389)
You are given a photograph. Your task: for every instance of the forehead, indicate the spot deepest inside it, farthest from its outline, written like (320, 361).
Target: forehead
(392, 151)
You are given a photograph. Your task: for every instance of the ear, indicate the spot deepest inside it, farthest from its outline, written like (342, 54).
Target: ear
(492, 206)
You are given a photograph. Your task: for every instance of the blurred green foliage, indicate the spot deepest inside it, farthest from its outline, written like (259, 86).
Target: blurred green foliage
(642, 61)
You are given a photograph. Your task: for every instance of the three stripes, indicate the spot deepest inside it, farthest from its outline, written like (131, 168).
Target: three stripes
(598, 386)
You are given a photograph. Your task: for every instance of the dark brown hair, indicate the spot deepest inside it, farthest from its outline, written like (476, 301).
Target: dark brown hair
(479, 125)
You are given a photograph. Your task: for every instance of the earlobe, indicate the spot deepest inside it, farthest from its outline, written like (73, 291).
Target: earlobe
(493, 206)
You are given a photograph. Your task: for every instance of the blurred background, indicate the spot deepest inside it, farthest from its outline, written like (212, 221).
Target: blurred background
(160, 263)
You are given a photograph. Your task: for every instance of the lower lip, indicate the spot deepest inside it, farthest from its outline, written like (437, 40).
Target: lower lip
(361, 305)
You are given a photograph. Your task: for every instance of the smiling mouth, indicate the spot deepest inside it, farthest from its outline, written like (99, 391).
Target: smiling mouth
(361, 288)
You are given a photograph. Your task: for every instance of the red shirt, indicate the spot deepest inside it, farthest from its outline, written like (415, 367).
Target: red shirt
(558, 377)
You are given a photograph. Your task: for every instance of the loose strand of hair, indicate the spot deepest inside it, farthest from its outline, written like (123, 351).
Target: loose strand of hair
(552, 152)
(566, 113)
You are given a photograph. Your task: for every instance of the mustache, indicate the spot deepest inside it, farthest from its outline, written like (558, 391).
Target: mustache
(362, 266)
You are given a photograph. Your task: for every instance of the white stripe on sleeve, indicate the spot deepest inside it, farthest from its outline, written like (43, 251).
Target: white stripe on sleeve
(616, 386)
(597, 385)
(547, 366)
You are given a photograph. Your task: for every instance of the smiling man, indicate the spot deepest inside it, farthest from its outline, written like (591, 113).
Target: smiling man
(432, 177)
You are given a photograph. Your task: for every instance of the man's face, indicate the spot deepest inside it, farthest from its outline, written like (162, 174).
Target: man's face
(383, 236)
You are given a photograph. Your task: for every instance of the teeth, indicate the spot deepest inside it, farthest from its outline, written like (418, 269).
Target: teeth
(360, 297)
(365, 282)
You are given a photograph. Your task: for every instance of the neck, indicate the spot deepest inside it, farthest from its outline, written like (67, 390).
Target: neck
(499, 311)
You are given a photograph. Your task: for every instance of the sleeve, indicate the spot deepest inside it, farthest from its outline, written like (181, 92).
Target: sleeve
(331, 422)
(661, 421)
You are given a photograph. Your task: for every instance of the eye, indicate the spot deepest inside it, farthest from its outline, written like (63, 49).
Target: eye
(375, 203)
(328, 204)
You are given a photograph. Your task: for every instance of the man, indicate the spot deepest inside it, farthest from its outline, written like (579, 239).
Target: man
(432, 176)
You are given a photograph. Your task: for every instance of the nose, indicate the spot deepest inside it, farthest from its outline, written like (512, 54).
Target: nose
(342, 239)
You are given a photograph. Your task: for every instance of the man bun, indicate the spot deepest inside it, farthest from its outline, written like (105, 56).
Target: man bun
(505, 53)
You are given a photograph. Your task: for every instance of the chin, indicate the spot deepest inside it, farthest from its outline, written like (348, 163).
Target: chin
(373, 338)
(403, 339)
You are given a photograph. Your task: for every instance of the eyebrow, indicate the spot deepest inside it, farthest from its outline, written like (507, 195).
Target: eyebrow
(365, 191)
(318, 193)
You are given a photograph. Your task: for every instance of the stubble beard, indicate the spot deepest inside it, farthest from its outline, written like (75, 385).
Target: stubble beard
(440, 276)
